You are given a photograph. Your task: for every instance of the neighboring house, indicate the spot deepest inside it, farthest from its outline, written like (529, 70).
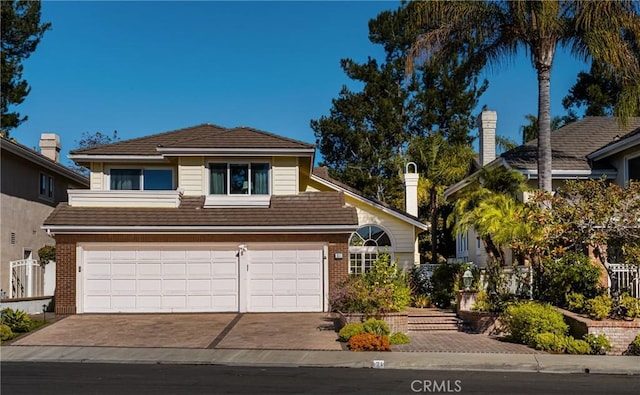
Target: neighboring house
(32, 184)
(592, 147)
(207, 219)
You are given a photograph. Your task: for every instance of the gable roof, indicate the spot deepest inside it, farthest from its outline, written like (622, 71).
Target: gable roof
(310, 211)
(42, 160)
(617, 145)
(571, 144)
(204, 136)
(321, 174)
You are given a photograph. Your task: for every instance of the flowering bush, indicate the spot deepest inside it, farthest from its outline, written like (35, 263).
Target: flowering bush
(369, 342)
(382, 289)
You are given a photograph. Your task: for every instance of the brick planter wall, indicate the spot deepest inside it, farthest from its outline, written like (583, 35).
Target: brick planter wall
(398, 322)
(619, 332)
(480, 321)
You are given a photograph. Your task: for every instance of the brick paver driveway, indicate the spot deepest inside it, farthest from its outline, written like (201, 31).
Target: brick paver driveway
(272, 331)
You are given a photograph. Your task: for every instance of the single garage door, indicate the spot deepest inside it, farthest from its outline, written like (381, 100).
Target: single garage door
(285, 280)
(160, 279)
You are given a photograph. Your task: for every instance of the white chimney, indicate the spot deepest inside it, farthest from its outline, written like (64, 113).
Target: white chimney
(50, 146)
(411, 189)
(487, 128)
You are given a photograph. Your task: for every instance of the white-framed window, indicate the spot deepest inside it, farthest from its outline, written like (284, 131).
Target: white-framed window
(632, 168)
(233, 179)
(462, 243)
(364, 246)
(141, 179)
(46, 187)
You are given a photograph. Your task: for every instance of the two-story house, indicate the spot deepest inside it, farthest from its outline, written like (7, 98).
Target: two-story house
(207, 219)
(32, 184)
(592, 147)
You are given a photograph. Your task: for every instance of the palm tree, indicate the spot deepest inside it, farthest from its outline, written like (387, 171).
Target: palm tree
(590, 29)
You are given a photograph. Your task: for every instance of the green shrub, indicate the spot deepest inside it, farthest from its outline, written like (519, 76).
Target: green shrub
(573, 272)
(575, 302)
(482, 302)
(349, 331)
(369, 342)
(599, 307)
(399, 338)
(382, 289)
(599, 344)
(17, 320)
(421, 301)
(634, 347)
(525, 320)
(377, 327)
(443, 281)
(577, 346)
(630, 306)
(549, 342)
(5, 332)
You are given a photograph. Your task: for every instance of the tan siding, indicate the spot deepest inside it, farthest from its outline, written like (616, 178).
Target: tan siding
(191, 176)
(285, 176)
(97, 177)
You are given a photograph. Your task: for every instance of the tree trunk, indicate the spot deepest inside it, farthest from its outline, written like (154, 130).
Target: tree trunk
(544, 128)
(434, 225)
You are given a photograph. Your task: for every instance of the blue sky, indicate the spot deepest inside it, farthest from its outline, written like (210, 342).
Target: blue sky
(148, 67)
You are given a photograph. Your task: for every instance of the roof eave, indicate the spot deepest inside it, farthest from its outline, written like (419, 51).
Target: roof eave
(168, 151)
(615, 148)
(396, 214)
(298, 229)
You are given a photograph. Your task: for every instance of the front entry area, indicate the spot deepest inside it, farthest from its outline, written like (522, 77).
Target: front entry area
(167, 278)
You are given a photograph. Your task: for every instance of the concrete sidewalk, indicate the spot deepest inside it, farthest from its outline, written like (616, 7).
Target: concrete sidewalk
(544, 363)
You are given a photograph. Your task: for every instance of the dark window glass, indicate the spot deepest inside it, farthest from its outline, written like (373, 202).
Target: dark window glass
(218, 181)
(50, 189)
(43, 184)
(125, 179)
(158, 180)
(634, 168)
(259, 178)
(239, 179)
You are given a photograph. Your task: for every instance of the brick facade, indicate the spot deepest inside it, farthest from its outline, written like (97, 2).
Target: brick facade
(65, 294)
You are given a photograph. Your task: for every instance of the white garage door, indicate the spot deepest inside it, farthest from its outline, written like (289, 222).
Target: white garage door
(287, 280)
(160, 280)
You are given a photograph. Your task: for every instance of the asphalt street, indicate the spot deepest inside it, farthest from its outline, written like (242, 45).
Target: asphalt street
(121, 379)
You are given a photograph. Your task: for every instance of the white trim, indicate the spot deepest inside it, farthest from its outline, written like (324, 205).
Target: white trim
(124, 198)
(570, 174)
(325, 277)
(386, 210)
(614, 148)
(79, 278)
(211, 201)
(306, 229)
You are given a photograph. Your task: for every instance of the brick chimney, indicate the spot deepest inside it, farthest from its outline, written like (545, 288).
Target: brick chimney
(487, 128)
(50, 146)
(411, 189)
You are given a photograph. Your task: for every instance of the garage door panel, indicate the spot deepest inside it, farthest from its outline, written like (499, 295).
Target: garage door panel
(123, 269)
(199, 287)
(123, 303)
(123, 287)
(309, 270)
(198, 255)
(98, 269)
(150, 286)
(98, 286)
(170, 302)
(202, 302)
(174, 269)
(149, 303)
(309, 286)
(123, 255)
(284, 287)
(174, 255)
(225, 268)
(225, 286)
(225, 302)
(174, 287)
(284, 269)
(149, 269)
(201, 270)
(99, 304)
(149, 255)
(285, 302)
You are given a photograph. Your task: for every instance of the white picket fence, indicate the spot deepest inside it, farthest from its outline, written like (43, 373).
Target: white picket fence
(627, 277)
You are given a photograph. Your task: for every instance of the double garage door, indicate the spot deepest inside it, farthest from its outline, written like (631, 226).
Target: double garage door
(201, 279)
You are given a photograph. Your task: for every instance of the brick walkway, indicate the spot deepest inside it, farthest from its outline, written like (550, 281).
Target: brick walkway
(460, 342)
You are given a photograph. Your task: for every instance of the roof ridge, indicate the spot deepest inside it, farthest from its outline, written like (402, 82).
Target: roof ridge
(147, 137)
(270, 135)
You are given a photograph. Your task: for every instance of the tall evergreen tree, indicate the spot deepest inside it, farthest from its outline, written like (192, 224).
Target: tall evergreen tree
(21, 32)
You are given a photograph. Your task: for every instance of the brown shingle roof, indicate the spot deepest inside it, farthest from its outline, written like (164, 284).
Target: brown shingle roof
(200, 136)
(306, 209)
(572, 143)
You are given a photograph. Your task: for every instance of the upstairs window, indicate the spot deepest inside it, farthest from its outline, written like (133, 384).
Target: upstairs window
(46, 187)
(633, 169)
(141, 180)
(239, 179)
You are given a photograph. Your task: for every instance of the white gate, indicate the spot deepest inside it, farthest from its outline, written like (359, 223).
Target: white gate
(27, 279)
(627, 277)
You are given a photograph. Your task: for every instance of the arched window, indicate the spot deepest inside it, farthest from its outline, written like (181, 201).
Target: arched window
(364, 246)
